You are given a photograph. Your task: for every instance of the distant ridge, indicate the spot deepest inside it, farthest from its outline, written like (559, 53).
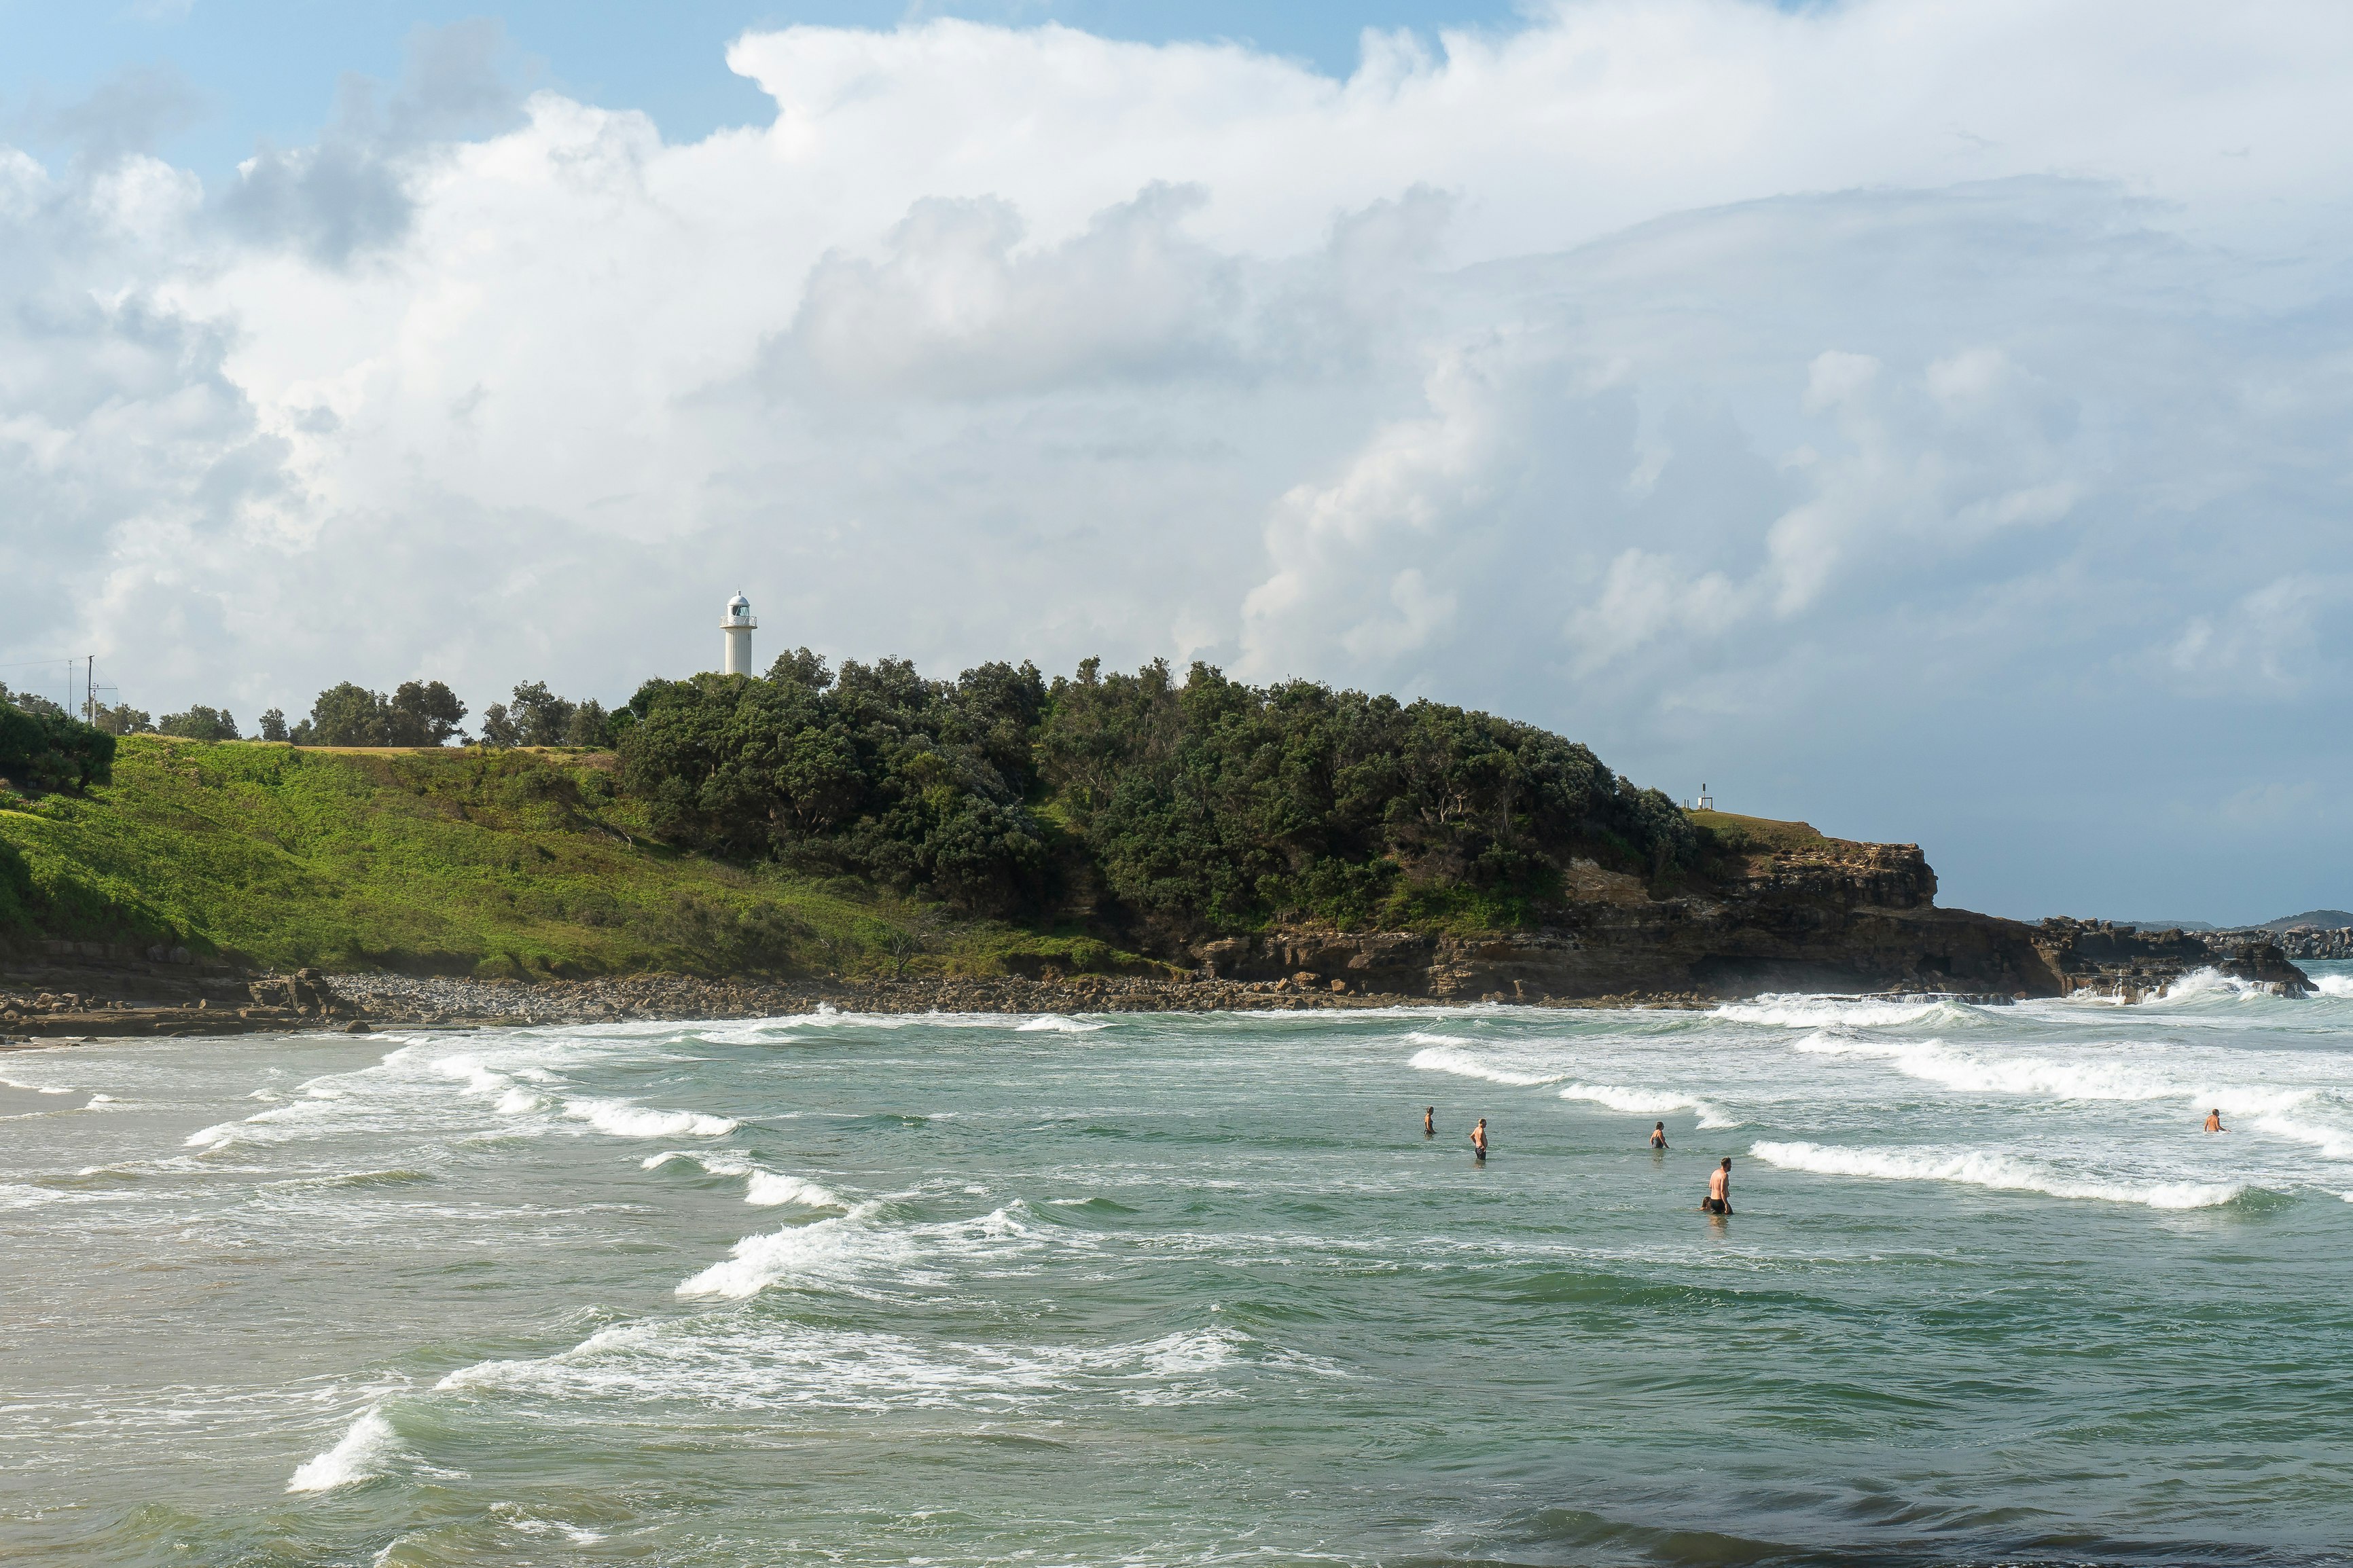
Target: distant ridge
(2327, 920)
(2170, 925)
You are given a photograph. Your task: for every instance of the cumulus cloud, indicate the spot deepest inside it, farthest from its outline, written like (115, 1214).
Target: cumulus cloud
(1797, 396)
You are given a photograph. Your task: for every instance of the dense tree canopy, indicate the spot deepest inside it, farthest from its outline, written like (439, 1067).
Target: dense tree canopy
(418, 713)
(47, 749)
(200, 724)
(1200, 804)
(538, 716)
(917, 784)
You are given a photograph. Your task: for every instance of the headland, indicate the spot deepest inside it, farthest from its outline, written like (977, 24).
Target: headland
(758, 845)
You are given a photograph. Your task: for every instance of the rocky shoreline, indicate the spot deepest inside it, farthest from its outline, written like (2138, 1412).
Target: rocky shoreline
(312, 1001)
(1833, 918)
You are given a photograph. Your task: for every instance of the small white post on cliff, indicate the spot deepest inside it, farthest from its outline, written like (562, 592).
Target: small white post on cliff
(738, 627)
(1706, 802)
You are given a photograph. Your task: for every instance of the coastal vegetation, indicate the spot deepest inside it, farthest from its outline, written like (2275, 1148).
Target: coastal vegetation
(1164, 807)
(475, 861)
(815, 820)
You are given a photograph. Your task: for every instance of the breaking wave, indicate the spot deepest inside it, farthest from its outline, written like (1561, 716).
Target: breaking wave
(1443, 1053)
(1649, 1102)
(1983, 1168)
(1798, 1012)
(763, 1188)
(365, 1452)
(829, 1248)
(623, 1119)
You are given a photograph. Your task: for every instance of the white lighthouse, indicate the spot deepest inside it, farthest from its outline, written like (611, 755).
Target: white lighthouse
(738, 627)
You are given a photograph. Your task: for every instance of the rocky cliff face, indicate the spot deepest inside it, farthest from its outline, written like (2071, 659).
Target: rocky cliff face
(1831, 916)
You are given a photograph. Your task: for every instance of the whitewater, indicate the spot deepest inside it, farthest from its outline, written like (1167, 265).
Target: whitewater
(1147, 1289)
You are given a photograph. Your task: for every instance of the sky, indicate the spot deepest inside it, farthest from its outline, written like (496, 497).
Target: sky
(1926, 418)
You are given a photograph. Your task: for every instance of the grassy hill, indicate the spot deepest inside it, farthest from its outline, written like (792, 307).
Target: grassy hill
(491, 863)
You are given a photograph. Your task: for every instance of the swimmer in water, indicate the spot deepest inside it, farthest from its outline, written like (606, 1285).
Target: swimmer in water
(1479, 1140)
(1659, 1136)
(1429, 1122)
(2214, 1121)
(1719, 1189)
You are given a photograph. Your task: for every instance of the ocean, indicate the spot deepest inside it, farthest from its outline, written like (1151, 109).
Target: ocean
(1153, 1289)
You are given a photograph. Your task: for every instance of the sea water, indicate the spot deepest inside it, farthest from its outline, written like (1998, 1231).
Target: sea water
(1192, 1289)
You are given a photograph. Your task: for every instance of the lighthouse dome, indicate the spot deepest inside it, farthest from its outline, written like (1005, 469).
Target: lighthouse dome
(738, 607)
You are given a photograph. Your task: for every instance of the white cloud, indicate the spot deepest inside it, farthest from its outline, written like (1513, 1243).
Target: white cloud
(1681, 374)
(2281, 640)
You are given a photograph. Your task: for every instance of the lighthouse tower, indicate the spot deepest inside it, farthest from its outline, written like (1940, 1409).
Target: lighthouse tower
(738, 627)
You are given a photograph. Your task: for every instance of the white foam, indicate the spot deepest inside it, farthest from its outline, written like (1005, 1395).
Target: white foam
(763, 1188)
(624, 1120)
(1933, 1061)
(2333, 984)
(771, 1188)
(726, 1360)
(479, 1079)
(363, 1453)
(1986, 1168)
(32, 1088)
(2121, 1079)
(1648, 1103)
(827, 1249)
(214, 1137)
(18, 1195)
(1447, 1057)
(1055, 1024)
(2210, 982)
(1815, 1012)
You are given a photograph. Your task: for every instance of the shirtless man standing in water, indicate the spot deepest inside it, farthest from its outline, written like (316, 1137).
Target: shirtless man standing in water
(2214, 1121)
(1659, 1136)
(1719, 1189)
(1479, 1140)
(1429, 1122)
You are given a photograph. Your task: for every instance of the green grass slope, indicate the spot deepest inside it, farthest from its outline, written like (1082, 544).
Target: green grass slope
(492, 862)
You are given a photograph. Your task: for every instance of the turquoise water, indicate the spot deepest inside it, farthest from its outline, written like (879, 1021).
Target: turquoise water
(1192, 1291)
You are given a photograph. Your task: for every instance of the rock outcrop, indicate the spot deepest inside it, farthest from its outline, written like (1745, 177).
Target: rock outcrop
(1828, 916)
(1809, 914)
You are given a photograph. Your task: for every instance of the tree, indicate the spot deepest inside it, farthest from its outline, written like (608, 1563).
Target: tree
(350, 715)
(200, 724)
(541, 717)
(418, 714)
(123, 720)
(273, 725)
(499, 728)
(422, 713)
(50, 750)
(31, 702)
(589, 726)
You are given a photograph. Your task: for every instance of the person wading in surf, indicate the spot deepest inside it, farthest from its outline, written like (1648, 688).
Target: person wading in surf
(1429, 1122)
(1479, 1140)
(1659, 1136)
(2214, 1121)
(1719, 1189)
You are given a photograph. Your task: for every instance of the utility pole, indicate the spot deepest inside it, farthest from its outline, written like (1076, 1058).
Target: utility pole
(89, 692)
